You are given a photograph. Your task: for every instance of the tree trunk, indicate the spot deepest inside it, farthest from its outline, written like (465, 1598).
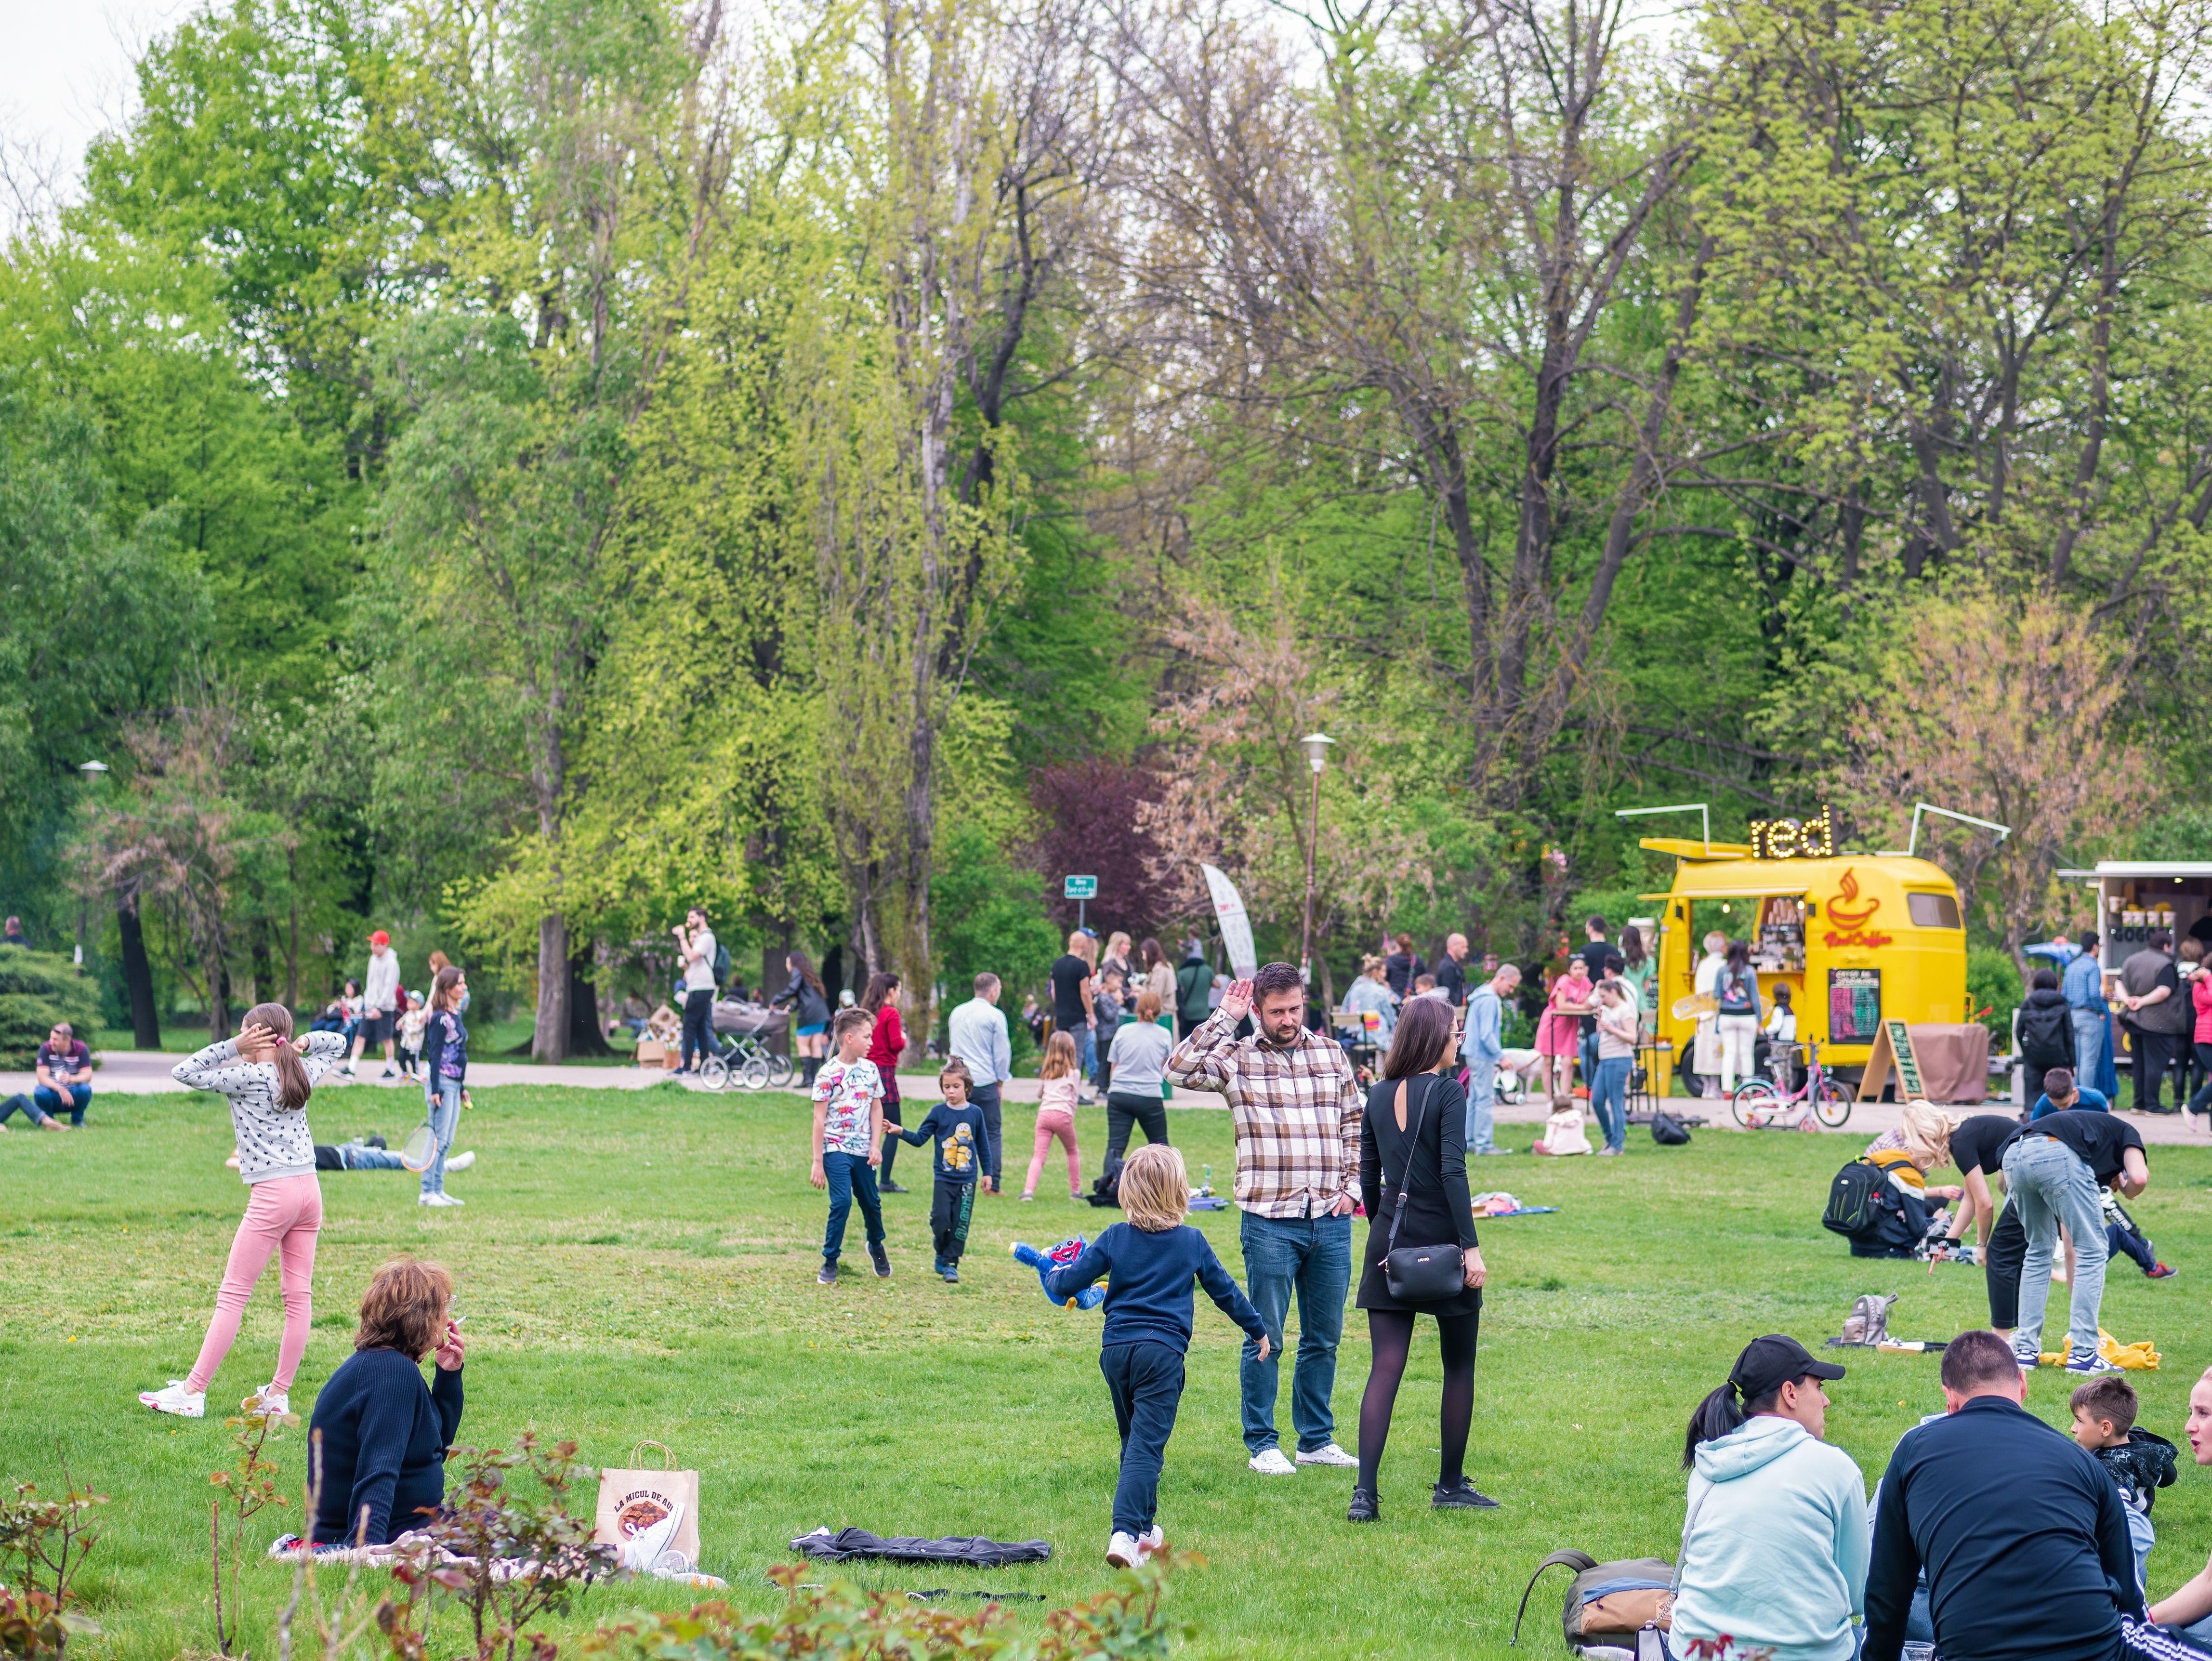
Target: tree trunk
(218, 980)
(586, 1036)
(138, 978)
(549, 1032)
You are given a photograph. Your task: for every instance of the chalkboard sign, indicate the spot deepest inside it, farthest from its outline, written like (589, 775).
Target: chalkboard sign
(1908, 1064)
(1854, 1005)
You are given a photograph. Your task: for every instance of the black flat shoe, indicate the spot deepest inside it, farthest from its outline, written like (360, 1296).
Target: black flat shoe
(891, 1188)
(1363, 1508)
(1460, 1498)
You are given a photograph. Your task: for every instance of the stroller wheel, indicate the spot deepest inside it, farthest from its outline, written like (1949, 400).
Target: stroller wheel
(715, 1073)
(783, 1073)
(757, 1074)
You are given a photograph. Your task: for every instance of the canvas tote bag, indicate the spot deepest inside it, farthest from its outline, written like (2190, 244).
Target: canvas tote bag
(633, 1502)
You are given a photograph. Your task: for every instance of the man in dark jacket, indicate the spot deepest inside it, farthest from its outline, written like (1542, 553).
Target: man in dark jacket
(2045, 1032)
(2022, 1534)
(2159, 1017)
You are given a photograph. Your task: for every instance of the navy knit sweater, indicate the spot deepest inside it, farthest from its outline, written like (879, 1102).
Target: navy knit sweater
(1148, 1284)
(384, 1436)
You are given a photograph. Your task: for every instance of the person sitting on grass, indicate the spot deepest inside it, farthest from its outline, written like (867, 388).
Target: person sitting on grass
(1775, 1543)
(849, 1140)
(2138, 1462)
(365, 1154)
(963, 1152)
(1148, 1263)
(2187, 1609)
(64, 1074)
(29, 1108)
(1920, 1142)
(383, 1433)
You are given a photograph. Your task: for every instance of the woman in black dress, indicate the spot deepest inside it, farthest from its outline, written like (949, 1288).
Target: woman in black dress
(1413, 1137)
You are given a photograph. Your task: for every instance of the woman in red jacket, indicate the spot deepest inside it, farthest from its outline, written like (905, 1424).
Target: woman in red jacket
(2200, 993)
(885, 1044)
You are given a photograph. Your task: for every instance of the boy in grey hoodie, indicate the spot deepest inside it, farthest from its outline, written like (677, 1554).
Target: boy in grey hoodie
(1775, 1544)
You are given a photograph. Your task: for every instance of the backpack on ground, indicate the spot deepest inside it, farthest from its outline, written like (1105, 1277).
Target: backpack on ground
(1854, 1200)
(1106, 1186)
(1608, 1605)
(1868, 1324)
(1669, 1131)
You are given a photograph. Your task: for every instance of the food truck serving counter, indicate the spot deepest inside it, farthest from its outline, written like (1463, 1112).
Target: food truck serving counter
(1856, 937)
(2135, 897)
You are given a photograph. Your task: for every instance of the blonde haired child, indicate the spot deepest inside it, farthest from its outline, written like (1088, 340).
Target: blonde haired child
(1149, 1263)
(1062, 1074)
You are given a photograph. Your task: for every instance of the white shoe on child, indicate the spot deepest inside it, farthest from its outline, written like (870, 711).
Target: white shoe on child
(175, 1398)
(1122, 1551)
(268, 1400)
(1151, 1540)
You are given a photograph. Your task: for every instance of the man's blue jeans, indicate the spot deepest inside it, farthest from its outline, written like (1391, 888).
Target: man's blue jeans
(1481, 1104)
(1312, 1256)
(2051, 1186)
(359, 1156)
(1586, 1054)
(72, 1100)
(1609, 1100)
(850, 1175)
(2088, 1044)
(1086, 1053)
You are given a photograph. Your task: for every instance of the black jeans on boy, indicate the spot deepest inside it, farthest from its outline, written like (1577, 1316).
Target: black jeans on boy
(1124, 1112)
(850, 1177)
(698, 1040)
(950, 1206)
(1146, 1381)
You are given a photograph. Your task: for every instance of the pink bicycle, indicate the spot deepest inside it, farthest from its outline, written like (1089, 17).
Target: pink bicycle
(1821, 1100)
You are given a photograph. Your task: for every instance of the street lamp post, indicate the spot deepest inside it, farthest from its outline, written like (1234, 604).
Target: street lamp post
(1315, 745)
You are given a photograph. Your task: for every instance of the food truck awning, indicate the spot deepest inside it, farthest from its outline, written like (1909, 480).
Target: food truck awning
(2176, 870)
(1783, 886)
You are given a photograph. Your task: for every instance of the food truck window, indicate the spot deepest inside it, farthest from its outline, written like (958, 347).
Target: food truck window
(1932, 910)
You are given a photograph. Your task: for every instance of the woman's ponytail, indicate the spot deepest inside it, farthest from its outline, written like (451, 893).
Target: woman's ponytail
(292, 1086)
(1715, 1416)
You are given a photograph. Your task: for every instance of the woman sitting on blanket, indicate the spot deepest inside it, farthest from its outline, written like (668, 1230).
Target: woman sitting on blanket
(385, 1433)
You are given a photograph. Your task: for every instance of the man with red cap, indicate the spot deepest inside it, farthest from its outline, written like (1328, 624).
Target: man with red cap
(379, 1004)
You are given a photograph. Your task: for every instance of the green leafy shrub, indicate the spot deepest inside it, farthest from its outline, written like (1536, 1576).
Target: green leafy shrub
(1993, 982)
(987, 914)
(37, 990)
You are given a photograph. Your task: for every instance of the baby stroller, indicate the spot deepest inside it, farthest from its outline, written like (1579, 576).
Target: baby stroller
(741, 1056)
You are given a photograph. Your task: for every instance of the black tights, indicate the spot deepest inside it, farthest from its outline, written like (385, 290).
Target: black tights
(1391, 1332)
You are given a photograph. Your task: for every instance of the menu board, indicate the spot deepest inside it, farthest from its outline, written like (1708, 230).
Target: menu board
(1854, 1005)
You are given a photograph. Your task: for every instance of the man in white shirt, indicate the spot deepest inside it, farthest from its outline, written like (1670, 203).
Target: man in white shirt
(380, 1005)
(696, 947)
(975, 1033)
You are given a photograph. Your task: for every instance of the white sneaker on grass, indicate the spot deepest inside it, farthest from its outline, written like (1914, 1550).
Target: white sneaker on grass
(1327, 1454)
(1122, 1551)
(269, 1399)
(1270, 1462)
(439, 1199)
(175, 1398)
(1153, 1539)
(460, 1162)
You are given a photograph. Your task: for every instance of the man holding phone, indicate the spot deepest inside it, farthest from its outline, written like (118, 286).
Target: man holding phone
(696, 948)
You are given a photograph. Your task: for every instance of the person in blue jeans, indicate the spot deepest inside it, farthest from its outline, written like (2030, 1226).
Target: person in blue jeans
(2082, 986)
(64, 1075)
(849, 1140)
(1295, 1108)
(1617, 1022)
(2053, 1169)
(1482, 1048)
(445, 1077)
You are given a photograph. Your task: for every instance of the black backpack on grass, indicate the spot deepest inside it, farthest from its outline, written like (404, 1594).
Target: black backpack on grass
(1854, 1200)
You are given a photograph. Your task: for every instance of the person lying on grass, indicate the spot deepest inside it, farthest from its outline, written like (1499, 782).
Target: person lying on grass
(1149, 1263)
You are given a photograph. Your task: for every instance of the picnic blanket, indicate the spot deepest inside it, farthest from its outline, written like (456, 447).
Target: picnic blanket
(1502, 1204)
(970, 1548)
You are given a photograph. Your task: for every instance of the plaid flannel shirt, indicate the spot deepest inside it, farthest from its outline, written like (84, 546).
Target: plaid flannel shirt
(1295, 1108)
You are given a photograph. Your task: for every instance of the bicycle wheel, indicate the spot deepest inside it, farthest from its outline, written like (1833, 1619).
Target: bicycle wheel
(715, 1073)
(757, 1072)
(1831, 1105)
(1758, 1096)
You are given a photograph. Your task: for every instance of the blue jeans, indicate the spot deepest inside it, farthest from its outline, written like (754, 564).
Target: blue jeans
(850, 1175)
(1586, 1054)
(2051, 1186)
(1311, 1256)
(26, 1105)
(359, 1156)
(442, 1097)
(1481, 1103)
(2089, 1043)
(1146, 1381)
(1609, 1100)
(1086, 1053)
(72, 1099)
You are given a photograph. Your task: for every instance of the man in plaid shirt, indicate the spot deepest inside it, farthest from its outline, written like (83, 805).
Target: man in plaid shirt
(1296, 1110)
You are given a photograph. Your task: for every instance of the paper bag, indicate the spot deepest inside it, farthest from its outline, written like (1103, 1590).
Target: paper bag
(632, 1502)
(650, 1052)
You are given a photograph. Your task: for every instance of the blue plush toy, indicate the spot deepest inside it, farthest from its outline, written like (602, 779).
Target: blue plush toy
(1059, 1257)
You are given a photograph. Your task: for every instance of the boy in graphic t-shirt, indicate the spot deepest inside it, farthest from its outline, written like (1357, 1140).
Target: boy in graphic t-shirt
(849, 1140)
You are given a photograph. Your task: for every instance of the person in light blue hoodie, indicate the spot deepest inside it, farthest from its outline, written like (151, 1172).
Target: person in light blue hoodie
(1775, 1541)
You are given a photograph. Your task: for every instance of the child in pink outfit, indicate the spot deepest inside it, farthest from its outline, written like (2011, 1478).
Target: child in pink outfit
(1055, 1120)
(268, 1079)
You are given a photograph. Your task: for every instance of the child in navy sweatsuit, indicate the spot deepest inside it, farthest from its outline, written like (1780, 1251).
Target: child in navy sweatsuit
(964, 1148)
(1149, 1264)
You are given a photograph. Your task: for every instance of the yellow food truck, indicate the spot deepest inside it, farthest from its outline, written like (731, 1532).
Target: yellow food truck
(1856, 937)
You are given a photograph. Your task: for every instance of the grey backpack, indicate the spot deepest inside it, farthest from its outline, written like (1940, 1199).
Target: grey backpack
(1609, 1606)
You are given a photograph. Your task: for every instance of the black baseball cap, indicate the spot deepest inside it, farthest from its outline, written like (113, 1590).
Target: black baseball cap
(1769, 1362)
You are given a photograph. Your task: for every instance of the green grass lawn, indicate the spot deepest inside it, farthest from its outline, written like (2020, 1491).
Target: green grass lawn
(639, 1266)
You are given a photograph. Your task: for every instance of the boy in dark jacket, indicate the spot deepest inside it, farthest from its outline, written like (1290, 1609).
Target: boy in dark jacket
(963, 1136)
(2045, 1032)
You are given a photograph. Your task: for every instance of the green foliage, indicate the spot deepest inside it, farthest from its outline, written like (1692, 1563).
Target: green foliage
(2183, 831)
(37, 990)
(1993, 982)
(991, 918)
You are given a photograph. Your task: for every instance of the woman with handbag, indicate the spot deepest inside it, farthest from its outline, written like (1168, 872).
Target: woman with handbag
(1422, 1257)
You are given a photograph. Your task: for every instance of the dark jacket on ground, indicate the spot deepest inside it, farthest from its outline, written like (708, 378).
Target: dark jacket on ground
(2022, 1534)
(2046, 1031)
(1148, 1279)
(385, 1436)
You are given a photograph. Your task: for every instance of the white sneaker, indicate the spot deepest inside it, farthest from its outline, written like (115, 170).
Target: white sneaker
(460, 1161)
(1327, 1454)
(1151, 1540)
(1269, 1462)
(175, 1398)
(438, 1199)
(268, 1399)
(1122, 1551)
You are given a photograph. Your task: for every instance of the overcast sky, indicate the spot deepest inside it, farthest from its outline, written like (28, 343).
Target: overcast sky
(65, 72)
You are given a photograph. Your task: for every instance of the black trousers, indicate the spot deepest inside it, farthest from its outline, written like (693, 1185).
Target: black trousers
(1145, 1382)
(894, 1121)
(1125, 1112)
(698, 1041)
(2001, 1266)
(986, 1098)
(2157, 1054)
(950, 1206)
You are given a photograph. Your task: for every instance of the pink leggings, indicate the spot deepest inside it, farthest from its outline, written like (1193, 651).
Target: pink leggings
(1049, 1125)
(281, 1217)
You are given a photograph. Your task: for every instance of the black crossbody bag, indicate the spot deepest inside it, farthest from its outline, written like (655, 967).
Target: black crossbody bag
(1422, 1273)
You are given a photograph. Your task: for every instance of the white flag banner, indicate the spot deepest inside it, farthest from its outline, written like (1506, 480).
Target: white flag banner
(1236, 927)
